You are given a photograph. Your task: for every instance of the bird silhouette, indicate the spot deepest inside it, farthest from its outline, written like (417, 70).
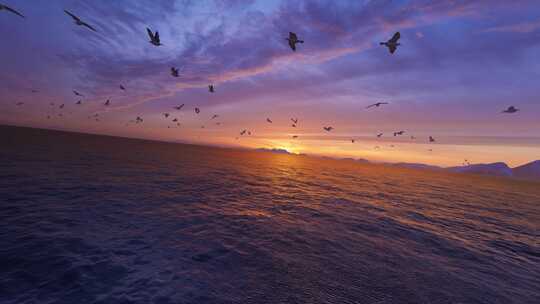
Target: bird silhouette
(293, 125)
(294, 120)
(174, 72)
(19, 103)
(269, 120)
(378, 104)
(61, 106)
(295, 136)
(380, 134)
(399, 133)
(431, 139)
(511, 109)
(352, 140)
(293, 40)
(393, 43)
(166, 115)
(9, 9)
(79, 102)
(79, 22)
(179, 107)
(138, 119)
(243, 132)
(122, 88)
(197, 110)
(77, 93)
(107, 103)
(211, 88)
(175, 120)
(328, 129)
(214, 116)
(154, 37)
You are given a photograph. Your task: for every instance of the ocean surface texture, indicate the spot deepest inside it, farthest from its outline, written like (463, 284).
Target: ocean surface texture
(94, 219)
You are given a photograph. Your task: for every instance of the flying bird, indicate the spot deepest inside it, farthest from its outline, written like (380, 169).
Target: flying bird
(431, 139)
(294, 120)
(179, 107)
(77, 93)
(269, 120)
(215, 116)
(78, 21)
(243, 132)
(174, 72)
(154, 37)
(511, 109)
(175, 120)
(352, 140)
(293, 40)
(211, 88)
(378, 104)
(293, 125)
(166, 115)
(122, 88)
(393, 43)
(9, 9)
(399, 133)
(328, 129)
(295, 136)
(138, 119)
(79, 102)
(108, 102)
(61, 106)
(379, 135)
(197, 110)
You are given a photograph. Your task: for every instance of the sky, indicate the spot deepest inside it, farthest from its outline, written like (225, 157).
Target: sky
(460, 63)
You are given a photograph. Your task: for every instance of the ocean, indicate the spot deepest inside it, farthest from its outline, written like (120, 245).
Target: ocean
(97, 219)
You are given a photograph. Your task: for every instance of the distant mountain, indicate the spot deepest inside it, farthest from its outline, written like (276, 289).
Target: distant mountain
(279, 151)
(494, 169)
(528, 171)
(417, 166)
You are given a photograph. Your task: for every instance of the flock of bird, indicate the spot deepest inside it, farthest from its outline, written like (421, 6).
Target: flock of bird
(392, 45)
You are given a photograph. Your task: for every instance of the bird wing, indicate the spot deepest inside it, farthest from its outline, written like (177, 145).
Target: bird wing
(392, 49)
(150, 34)
(88, 26)
(395, 38)
(293, 36)
(157, 36)
(372, 105)
(72, 16)
(11, 10)
(383, 103)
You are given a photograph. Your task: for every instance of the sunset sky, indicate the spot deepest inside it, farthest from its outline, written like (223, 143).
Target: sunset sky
(460, 64)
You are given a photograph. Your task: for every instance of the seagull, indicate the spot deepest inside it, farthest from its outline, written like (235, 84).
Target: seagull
(154, 37)
(399, 133)
(379, 135)
(392, 44)
(138, 119)
(293, 125)
(243, 132)
(108, 102)
(295, 136)
(179, 107)
(328, 129)
(174, 72)
(294, 120)
(214, 116)
(78, 21)
(431, 139)
(122, 88)
(9, 9)
(511, 109)
(293, 40)
(175, 120)
(211, 88)
(378, 104)
(77, 93)
(269, 120)
(79, 102)
(166, 115)
(197, 110)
